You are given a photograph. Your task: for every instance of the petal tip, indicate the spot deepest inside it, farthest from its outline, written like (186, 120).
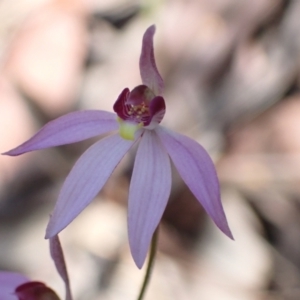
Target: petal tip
(50, 233)
(229, 234)
(139, 265)
(48, 236)
(138, 255)
(148, 70)
(226, 230)
(151, 29)
(139, 261)
(11, 153)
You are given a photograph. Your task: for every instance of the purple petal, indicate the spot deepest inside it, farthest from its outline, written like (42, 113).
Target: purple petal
(86, 179)
(149, 73)
(70, 128)
(59, 261)
(148, 194)
(9, 281)
(198, 172)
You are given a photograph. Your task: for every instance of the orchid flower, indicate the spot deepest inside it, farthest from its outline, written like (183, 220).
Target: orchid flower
(138, 116)
(15, 286)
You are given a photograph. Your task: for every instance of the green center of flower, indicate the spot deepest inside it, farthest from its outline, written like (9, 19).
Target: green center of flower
(127, 129)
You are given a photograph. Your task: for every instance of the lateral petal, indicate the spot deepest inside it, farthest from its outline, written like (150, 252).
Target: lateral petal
(149, 73)
(198, 172)
(86, 179)
(70, 128)
(148, 194)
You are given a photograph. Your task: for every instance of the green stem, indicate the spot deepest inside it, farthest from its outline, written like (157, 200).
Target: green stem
(150, 264)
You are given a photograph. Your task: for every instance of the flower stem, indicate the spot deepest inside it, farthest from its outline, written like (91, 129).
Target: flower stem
(150, 264)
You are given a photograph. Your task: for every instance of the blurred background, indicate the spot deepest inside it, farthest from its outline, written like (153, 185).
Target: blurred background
(231, 70)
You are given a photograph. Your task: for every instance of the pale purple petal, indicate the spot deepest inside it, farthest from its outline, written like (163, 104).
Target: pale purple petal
(198, 172)
(149, 73)
(9, 281)
(70, 128)
(148, 194)
(86, 179)
(59, 261)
